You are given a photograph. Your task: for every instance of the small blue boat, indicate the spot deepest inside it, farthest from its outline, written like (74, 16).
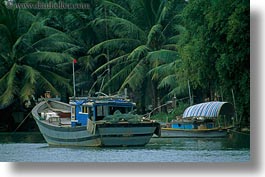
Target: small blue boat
(205, 120)
(93, 121)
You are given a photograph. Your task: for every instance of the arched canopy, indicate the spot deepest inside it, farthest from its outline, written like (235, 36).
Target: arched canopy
(209, 109)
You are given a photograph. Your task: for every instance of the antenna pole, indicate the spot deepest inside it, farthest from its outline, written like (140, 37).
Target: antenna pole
(74, 61)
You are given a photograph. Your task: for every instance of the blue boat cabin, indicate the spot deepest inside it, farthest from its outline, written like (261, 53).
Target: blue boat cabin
(96, 109)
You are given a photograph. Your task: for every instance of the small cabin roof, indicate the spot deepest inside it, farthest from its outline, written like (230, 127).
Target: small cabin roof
(209, 109)
(99, 101)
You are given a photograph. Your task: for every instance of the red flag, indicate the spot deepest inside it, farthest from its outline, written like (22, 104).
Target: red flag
(75, 61)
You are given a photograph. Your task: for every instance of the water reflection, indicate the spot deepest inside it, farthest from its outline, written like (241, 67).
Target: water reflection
(230, 142)
(233, 141)
(31, 147)
(21, 137)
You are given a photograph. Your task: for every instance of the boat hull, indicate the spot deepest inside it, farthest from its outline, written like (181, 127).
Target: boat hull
(126, 134)
(118, 135)
(193, 133)
(103, 134)
(67, 136)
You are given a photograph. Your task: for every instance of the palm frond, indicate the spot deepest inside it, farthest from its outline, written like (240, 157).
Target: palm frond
(38, 31)
(113, 61)
(30, 78)
(178, 90)
(26, 91)
(135, 77)
(45, 84)
(31, 74)
(25, 19)
(33, 30)
(11, 86)
(168, 81)
(5, 39)
(47, 57)
(173, 39)
(58, 81)
(155, 37)
(84, 35)
(122, 27)
(89, 62)
(181, 35)
(56, 46)
(163, 56)
(139, 52)
(162, 11)
(119, 9)
(73, 49)
(180, 29)
(3, 79)
(47, 30)
(119, 75)
(169, 46)
(18, 46)
(161, 71)
(55, 42)
(113, 44)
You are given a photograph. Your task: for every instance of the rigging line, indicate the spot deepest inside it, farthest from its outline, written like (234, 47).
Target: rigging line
(230, 130)
(22, 122)
(97, 80)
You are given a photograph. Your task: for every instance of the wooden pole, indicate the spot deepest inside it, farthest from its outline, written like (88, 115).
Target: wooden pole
(234, 102)
(189, 93)
(74, 61)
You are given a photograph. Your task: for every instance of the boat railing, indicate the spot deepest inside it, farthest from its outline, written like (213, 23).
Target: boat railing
(100, 98)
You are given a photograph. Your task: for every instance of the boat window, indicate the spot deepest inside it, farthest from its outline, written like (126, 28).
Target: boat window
(101, 112)
(73, 112)
(123, 110)
(86, 110)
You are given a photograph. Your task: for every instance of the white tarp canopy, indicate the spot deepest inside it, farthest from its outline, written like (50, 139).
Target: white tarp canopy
(209, 109)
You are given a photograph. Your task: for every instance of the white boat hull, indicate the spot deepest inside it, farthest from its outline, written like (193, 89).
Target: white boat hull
(105, 134)
(67, 136)
(193, 133)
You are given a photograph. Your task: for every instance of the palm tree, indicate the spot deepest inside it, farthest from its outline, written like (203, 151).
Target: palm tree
(34, 56)
(138, 35)
(78, 25)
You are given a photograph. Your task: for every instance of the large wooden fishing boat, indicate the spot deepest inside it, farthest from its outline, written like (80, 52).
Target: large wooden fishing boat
(93, 121)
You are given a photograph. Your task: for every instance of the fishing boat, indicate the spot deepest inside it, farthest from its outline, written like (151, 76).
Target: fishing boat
(93, 121)
(205, 120)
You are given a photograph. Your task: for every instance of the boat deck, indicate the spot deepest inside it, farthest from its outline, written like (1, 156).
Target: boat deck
(57, 117)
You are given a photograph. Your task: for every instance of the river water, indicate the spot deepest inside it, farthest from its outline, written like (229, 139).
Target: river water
(30, 147)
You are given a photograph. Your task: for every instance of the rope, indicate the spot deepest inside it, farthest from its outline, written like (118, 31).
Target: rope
(28, 116)
(238, 132)
(21, 122)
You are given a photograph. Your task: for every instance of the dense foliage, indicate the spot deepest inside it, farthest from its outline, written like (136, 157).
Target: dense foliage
(157, 49)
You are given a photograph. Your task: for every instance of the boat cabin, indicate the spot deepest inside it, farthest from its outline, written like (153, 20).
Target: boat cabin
(206, 116)
(95, 109)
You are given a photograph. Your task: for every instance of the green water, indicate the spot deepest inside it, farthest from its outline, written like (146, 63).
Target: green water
(31, 147)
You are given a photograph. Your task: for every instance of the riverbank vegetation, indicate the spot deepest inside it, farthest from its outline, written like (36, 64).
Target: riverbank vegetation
(159, 50)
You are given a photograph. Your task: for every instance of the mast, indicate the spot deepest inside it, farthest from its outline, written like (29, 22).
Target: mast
(107, 35)
(74, 62)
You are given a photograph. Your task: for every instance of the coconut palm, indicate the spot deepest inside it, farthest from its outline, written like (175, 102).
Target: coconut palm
(138, 35)
(34, 56)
